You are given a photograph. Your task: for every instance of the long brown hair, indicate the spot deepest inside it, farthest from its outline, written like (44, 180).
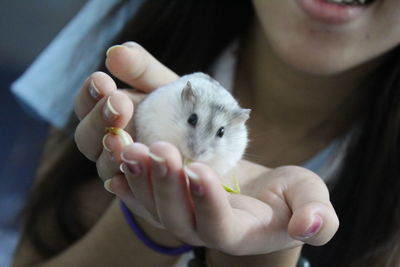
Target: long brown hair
(367, 195)
(187, 35)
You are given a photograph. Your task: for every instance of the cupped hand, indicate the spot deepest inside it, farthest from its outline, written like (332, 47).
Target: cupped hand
(278, 209)
(99, 104)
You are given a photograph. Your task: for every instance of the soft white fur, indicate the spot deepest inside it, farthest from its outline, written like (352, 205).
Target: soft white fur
(162, 116)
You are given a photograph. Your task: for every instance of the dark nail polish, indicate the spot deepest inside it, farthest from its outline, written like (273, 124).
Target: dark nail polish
(314, 228)
(134, 168)
(196, 189)
(93, 91)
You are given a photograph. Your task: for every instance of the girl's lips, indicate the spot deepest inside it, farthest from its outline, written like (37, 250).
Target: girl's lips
(331, 13)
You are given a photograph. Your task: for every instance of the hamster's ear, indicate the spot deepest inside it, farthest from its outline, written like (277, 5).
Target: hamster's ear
(188, 95)
(241, 116)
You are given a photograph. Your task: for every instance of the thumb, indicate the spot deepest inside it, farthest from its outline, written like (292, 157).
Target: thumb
(134, 65)
(314, 220)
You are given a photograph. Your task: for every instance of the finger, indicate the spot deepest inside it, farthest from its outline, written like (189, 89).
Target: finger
(314, 220)
(136, 168)
(116, 110)
(171, 195)
(96, 86)
(214, 216)
(120, 187)
(134, 95)
(135, 66)
(109, 162)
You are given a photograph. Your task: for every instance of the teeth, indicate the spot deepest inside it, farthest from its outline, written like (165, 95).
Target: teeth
(349, 2)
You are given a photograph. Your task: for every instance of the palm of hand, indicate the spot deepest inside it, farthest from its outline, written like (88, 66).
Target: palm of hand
(277, 208)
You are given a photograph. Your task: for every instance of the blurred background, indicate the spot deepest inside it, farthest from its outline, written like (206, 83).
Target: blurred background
(26, 28)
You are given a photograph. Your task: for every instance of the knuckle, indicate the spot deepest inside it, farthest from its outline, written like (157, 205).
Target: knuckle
(83, 105)
(78, 139)
(106, 166)
(297, 172)
(140, 69)
(81, 141)
(102, 171)
(96, 123)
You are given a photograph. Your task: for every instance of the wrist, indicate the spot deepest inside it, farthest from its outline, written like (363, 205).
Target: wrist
(153, 236)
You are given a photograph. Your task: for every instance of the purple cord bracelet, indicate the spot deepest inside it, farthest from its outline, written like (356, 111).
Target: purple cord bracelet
(146, 240)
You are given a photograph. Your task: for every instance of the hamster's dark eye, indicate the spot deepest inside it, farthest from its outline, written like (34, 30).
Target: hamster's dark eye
(192, 120)
(221, 132)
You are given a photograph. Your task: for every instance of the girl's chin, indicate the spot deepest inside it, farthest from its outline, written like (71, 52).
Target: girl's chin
(322, 59)
(319, 67)
(314, 63)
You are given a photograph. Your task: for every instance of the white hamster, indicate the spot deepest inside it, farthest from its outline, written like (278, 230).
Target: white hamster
(197, 115)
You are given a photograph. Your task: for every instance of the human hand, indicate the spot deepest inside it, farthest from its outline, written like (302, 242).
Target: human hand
(99, 104)
(205, 215)
(279, 208)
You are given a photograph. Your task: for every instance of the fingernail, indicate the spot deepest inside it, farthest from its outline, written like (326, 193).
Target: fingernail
(93, 91)
(131, 44)
(194, 182)
(121, 167)
(132, 166)
(112, 48)
(104, 141)
(156, 158)
(158, 165)
(313, 228)
(109, 111)
(107, 186)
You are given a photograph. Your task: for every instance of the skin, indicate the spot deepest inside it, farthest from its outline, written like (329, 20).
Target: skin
(268, 195)
(173, 198)
(277, 205)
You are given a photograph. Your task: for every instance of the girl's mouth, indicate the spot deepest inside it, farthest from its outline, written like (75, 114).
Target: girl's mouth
(351, 2)
(334, 11)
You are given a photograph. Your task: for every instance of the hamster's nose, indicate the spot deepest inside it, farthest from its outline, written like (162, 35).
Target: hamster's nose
(197, 155)
(194, 150)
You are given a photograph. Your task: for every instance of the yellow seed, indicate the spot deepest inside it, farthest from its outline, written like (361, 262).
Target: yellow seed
(236, 189)
(187, 161)
(125, 137)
